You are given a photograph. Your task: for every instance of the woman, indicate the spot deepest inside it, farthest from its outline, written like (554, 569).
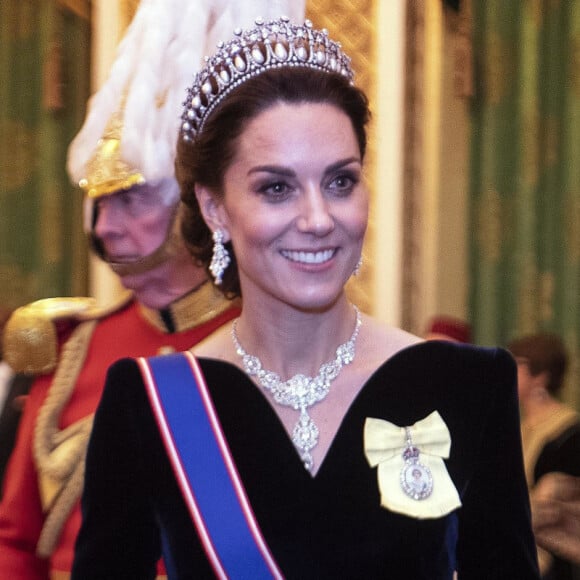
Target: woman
(395, 458)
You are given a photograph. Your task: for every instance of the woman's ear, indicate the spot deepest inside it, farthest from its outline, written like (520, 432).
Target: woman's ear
(212, 210)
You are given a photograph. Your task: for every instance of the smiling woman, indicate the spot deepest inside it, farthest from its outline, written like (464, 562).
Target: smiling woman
(306, 439)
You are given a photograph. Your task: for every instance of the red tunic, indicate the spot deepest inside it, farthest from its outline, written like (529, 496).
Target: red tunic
(124, 333)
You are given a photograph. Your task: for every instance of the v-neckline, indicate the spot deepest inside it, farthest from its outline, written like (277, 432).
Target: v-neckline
(278, 427)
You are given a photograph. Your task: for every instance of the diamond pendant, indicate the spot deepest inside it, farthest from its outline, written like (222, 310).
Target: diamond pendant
(416, 478)
(305, 437)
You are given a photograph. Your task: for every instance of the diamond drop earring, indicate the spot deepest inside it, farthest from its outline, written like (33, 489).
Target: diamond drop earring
(358, 266)
(220, 259)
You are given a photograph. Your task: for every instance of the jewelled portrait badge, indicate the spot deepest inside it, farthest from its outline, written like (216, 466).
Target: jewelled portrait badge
(416, 478)
(412, 476)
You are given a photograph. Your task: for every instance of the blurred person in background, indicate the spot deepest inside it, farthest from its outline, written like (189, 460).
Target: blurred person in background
(556, 515)
(550, 429)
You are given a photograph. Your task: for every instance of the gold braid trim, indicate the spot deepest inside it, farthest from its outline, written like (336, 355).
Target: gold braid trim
(60, 511)
(194, 309)
(60, 455)
(30, 338)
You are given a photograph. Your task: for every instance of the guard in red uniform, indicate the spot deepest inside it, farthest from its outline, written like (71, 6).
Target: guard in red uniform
(123, 159)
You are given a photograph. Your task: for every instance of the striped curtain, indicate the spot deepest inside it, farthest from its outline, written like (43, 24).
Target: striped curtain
(44, 86)
(525, 173)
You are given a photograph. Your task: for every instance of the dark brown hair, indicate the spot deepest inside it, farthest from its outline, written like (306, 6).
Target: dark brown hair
(544, 352)
(205, 160)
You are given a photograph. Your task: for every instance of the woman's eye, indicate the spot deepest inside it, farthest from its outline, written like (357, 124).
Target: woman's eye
(276, 191)
(343, 184)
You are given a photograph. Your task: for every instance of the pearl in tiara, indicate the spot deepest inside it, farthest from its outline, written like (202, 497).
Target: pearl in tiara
(267, 45)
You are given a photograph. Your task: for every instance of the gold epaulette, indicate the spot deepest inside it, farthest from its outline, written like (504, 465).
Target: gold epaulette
(30, 335)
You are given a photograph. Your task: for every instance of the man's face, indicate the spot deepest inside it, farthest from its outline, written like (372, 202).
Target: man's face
(132, 224)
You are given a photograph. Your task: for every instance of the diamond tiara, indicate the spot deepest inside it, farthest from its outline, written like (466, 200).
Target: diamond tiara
(268, 45)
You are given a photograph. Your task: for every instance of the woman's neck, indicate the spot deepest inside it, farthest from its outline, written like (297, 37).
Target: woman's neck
(289, 341)
(538, 409)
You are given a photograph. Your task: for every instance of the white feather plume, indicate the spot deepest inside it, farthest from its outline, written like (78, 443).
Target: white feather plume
(155, 62)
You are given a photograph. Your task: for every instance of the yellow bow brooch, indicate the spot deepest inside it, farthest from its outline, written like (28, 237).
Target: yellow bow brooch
(413, 479)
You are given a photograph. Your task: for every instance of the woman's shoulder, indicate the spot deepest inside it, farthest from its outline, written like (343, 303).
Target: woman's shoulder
(124, 378)
(467, 385)
(379, 342)
(477, 363)
(391, 346)
(218, 346)
(393, 355)
(126, 366)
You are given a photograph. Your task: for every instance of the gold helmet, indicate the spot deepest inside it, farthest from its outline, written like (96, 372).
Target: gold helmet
(106, 172)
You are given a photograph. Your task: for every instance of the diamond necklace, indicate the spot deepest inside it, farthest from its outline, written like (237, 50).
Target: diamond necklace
(300, 391)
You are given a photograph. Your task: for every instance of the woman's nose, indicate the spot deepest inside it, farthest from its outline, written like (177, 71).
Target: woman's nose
(315, 216)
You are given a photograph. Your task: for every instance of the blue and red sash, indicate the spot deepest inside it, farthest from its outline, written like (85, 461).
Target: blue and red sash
(204, 468)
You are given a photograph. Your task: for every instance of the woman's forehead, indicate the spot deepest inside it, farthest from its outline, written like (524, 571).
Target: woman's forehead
(293, 126)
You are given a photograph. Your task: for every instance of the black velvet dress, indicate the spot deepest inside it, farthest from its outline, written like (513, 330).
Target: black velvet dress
(331, 525)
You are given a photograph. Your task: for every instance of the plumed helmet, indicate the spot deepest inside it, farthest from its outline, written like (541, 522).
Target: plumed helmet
(130, 131)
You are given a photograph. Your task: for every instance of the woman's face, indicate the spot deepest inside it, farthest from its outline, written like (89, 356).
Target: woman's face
(529, 384)
(294, 205)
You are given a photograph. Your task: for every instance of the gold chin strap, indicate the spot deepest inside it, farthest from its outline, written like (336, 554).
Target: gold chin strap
(160, 255)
